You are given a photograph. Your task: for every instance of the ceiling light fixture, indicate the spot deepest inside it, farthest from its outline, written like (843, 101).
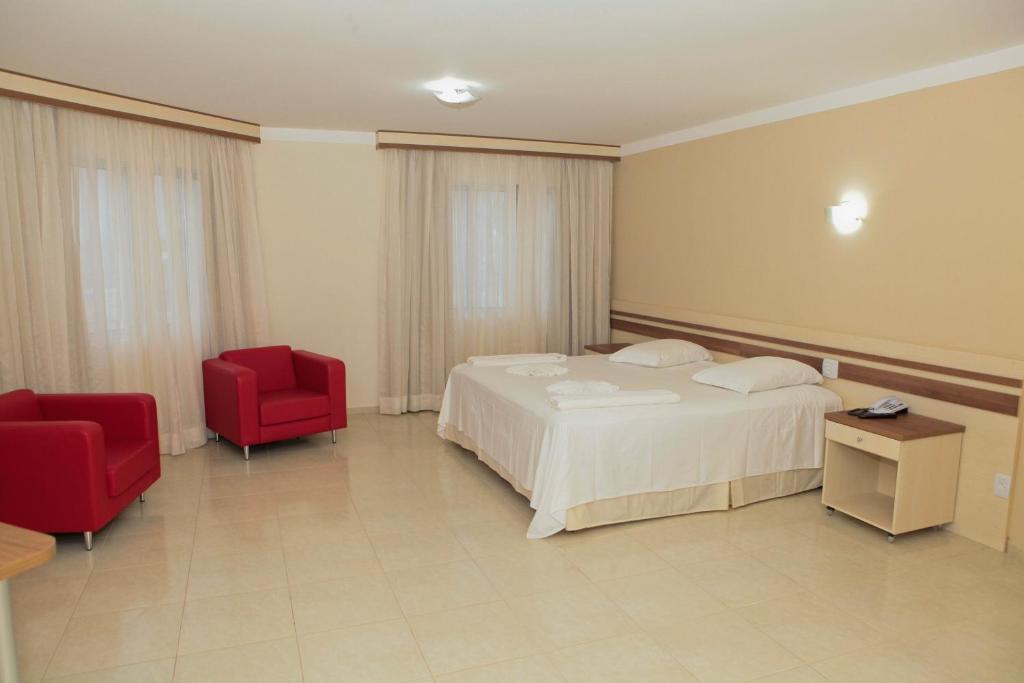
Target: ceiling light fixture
(454, 91)
(848, 216)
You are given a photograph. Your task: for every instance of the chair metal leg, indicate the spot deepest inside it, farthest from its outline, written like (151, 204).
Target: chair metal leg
(334, 436)
(245, 449)
(142, 497)
(88, 540)
(216, 437)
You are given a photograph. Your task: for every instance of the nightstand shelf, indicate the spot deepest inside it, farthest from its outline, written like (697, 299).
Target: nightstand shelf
(874, 507)
(898, 475)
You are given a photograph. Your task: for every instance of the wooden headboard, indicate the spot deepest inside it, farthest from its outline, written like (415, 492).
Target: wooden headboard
(717, 339)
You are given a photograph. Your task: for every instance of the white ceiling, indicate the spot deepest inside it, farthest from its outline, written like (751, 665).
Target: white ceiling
(609, 71)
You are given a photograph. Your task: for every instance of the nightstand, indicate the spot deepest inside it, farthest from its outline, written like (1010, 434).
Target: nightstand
(898, 475)
(602, 349)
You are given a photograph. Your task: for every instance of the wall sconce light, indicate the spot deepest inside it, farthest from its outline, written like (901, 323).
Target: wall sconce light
(848, 215)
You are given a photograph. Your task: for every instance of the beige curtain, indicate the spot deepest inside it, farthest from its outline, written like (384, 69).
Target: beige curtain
(485, 254)
(128, 253)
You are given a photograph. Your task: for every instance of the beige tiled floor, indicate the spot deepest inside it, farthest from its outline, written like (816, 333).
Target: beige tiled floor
(393, 556)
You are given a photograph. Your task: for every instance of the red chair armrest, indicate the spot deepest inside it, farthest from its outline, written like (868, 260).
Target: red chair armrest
(43, 462)
(122, 416)
(232, 401)
(325, 375)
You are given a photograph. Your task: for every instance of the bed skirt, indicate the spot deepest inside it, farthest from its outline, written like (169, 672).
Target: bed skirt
(705, 498)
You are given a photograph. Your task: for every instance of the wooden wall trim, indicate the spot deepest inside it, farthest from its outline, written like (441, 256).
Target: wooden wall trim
(497, 137)
(450, 142)
(124, 115)
(485, 150)
(831, 350)
(983, 399)
(57, 93)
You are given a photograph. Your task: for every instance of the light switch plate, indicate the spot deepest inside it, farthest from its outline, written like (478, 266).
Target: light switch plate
(830, 368)
(1002, 486)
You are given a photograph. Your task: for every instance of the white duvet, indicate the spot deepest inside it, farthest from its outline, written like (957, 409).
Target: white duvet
(568, 458)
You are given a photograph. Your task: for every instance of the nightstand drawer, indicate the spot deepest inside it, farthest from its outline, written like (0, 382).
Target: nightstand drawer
(865, 441)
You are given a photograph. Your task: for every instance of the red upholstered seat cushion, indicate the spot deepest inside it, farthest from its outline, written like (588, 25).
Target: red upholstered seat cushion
(272, 365)
(19, 406)
(126, 462)
(291, 405)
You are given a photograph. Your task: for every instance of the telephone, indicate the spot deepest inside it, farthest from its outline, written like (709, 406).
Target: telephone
(885, 407)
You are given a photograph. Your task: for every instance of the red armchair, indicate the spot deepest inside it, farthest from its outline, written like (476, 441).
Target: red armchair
(72, 462)
(271, 393)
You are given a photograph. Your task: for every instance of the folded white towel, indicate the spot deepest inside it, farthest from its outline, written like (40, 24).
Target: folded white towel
(581, 387)
(517, 359)
(619, 398)
(537, 370)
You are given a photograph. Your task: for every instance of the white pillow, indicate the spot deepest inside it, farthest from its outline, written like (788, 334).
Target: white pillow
(662, 353)
(759, 374)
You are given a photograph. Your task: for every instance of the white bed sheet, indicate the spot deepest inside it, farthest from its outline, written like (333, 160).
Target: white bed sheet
(568, 458)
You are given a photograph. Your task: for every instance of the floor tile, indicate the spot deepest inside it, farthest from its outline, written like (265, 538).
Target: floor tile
(417, 549)
(540, 569)
(121, 589)
(724, 647)
(353, 556)
(276, 661)
(801, 674)
(974, 651)
(238, 537)
(327, 605)
(311, 502)
(470, 637)
(896, 605)
(160, 671)
(110, 639)
(382, 514)
(218, 511)
(315, 529)
(613, 557)
(882, 664)
(214, 575)
(227, 621)
(634, 657)
(435, 588)
(809, 628)
(139, 519)
(661, 599)
(493, 537)
(536, 669)
(119, 552)
(571, 616)
(384, 652)
(739, 581)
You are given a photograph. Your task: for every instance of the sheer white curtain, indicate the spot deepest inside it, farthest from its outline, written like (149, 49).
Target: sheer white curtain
(485, 254)
(128, 253)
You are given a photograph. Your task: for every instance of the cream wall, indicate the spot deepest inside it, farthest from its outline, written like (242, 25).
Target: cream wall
(730, 230)
(319, 208)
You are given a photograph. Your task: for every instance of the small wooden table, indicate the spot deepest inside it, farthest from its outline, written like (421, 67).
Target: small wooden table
(20, 550)
(898, 474)
(599, 349)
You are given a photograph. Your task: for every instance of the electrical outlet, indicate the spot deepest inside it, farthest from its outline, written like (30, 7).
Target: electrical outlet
(830, 368)
(1002, 487)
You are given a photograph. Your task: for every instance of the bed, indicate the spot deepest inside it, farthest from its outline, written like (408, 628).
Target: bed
(713, 450)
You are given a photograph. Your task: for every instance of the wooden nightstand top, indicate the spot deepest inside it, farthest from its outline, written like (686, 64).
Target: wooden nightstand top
(906, 427)
(605, 348)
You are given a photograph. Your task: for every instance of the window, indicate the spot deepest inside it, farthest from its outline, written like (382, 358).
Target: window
(484, 258)
(106, 209)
